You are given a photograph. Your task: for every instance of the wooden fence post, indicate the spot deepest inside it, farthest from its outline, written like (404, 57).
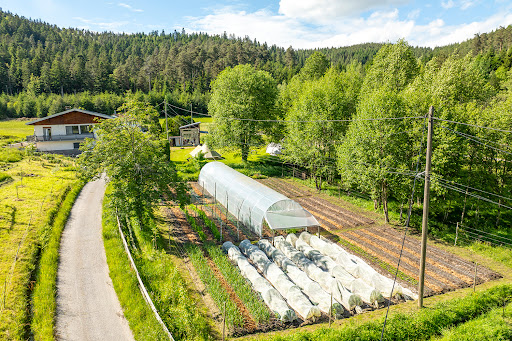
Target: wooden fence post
(456, 234)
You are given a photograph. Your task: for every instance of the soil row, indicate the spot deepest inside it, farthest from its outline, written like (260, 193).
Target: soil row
(331, 215)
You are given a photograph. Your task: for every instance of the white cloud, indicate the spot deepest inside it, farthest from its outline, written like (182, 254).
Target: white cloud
(321, 10)
(447, 4)
(115, 26)
(380, 26)
(121, 4)
(466, 4)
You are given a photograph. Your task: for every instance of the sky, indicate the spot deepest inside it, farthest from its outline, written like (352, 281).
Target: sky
(302, 24)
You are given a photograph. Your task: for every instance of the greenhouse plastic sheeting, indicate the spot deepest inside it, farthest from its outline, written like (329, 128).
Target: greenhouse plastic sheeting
(270, 296)
(327, 282)
(357, 267)
(356, 285)
(293, 294)
(316, 294)
(252, 202)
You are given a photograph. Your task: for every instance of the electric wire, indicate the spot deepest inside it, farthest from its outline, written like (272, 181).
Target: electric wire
(435, 177)
(473, 125)
(474, 138)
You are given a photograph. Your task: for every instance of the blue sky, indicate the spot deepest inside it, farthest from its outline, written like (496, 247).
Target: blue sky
(297, 23)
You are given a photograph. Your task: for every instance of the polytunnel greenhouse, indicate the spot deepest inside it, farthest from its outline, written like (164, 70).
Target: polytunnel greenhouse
(251, 202)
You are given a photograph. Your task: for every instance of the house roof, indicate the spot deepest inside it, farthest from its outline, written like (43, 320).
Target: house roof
(92, 113)
(191, 125)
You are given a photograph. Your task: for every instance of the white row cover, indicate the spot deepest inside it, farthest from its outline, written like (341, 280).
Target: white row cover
(251, 202)
(270, 296)
(356, 285)
(316, 294)
(358, 267)
(327, 282)
(293, 294)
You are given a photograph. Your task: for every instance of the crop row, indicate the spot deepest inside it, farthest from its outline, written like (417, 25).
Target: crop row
(257, 308)
(193, 223)
(207, 222)
(233, 315)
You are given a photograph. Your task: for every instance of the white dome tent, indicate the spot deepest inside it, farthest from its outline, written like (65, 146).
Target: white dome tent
(252, 202)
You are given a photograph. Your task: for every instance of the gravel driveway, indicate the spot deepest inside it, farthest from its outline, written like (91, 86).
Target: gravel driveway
(87, 305)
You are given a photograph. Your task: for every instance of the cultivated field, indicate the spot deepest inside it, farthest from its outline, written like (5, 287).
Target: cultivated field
(380, 245)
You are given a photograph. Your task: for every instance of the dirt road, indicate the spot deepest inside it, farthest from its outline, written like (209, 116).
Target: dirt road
(87, 305)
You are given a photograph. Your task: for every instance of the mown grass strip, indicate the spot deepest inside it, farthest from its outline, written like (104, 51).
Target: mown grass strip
(256, 306)
(234, 317)
(44, 302)
(420, 325)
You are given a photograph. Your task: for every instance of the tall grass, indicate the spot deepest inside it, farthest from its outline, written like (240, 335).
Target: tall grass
(44, 294)
(24, 206)
(166, 286)
(495, 325)
(421, 325)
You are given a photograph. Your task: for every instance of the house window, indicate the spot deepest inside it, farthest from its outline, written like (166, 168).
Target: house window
(76, 145)
(71, 130)
(85, 129)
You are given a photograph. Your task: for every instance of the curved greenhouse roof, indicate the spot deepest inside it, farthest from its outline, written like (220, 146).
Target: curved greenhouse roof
(252, 202)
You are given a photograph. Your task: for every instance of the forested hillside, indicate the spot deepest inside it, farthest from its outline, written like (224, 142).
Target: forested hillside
(44, 68)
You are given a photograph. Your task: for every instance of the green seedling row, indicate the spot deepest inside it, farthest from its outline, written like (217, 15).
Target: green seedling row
(220, 296)
(251, 300)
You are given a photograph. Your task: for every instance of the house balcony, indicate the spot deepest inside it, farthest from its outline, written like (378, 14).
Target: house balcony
(72, 137)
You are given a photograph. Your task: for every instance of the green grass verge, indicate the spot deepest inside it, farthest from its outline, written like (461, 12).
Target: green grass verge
(495, 325)
(44, 294)
(420, 325)
(165, 284)
(220, 296)
(256, 306)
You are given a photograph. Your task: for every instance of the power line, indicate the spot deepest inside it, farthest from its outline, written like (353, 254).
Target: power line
(323, 121)
(456, 189)
(474, 125)
(474, 138)
(475, 189)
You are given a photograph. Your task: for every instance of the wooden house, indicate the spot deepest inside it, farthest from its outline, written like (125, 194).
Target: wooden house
(63, 132)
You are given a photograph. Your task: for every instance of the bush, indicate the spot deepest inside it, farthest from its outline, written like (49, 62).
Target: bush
(10, 155)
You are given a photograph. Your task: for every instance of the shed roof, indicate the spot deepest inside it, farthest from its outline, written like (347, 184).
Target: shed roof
(191, 125)
(252, 202)
(92, 113)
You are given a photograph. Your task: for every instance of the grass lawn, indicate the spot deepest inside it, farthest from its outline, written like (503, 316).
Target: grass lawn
(25, 203)
(14, 131)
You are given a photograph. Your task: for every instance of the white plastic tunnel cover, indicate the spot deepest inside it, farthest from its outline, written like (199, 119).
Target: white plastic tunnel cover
(252, 202)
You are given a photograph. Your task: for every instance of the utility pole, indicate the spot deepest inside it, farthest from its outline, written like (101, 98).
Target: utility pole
(426, 199)
(191, 119)
(166, 124)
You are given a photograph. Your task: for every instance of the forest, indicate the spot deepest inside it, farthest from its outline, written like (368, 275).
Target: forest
(44, 68)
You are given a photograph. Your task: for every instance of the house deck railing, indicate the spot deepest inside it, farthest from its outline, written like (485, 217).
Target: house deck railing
(73, 137)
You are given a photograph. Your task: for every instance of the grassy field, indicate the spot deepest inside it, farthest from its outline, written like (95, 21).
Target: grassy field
(14, 131)
(26, 203)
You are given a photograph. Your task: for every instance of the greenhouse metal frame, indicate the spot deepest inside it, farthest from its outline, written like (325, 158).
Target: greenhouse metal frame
(251, 202)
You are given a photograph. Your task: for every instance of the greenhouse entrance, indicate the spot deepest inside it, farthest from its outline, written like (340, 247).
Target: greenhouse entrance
(251, 202)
